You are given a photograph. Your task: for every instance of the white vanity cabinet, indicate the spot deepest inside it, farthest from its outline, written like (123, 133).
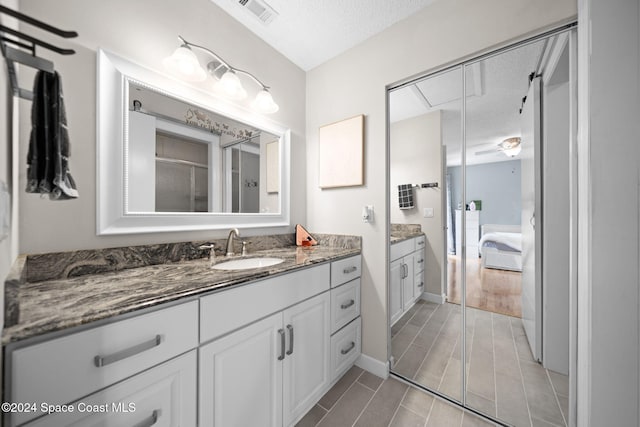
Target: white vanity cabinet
(279, 364)
(267, 347)
(260, 353)
(62, 370)
(406, 275)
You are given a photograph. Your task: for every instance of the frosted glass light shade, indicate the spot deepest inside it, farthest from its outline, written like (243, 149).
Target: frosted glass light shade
(230, 86)
(512, 152)
(264, 102)
(184, 64)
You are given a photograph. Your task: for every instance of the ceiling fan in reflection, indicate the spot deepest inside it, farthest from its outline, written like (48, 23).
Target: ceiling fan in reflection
(510, 147)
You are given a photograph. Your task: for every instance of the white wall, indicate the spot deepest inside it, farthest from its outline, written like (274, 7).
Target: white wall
(416, 158)
(354, 83)
(608, 283)
(144, 31)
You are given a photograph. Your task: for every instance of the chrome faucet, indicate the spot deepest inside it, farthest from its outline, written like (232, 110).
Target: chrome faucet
(233, 232)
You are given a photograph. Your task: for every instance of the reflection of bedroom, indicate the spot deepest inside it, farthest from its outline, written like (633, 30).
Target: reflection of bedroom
(494, 239)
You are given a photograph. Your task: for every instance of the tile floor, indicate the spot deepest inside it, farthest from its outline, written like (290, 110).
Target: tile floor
(503, 380)
(364, 400)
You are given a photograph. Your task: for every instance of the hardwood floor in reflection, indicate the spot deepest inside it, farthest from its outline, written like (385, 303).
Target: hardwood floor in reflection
(498, 291)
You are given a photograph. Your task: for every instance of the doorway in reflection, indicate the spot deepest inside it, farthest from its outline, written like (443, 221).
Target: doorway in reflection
(491, 328)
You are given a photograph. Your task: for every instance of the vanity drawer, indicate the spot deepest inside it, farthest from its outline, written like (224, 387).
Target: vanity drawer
(418, 261)
(345, 270)
(403, 248)
(345, 304)
(421, 242)
(64, 369)
(161, 396)
(345, 348)
(229, 310)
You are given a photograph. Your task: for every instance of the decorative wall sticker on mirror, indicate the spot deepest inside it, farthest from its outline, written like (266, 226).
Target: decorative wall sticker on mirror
(183, 159)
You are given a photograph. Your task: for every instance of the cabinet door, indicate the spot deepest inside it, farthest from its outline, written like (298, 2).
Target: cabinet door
(407, 283)
(241, 377)
(162, 396)
(306, 365)
(395, 290)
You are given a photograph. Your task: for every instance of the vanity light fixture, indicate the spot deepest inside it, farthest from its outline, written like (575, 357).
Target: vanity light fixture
(184, 64)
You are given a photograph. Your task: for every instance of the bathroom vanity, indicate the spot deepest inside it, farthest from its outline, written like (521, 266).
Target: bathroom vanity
(406, 271)
(182, 344)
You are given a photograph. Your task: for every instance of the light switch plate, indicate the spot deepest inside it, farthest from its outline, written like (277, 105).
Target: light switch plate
(428, 212)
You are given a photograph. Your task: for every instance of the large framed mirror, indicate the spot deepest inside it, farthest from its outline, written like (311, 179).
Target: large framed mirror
(174, 158)
(490, 329)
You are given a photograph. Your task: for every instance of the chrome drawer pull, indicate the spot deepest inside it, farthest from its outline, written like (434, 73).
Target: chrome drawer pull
(350, 269)
(131, 351)
(281, 332)
(290, 329)
(347, 350)
(421, 242)
(421, 284)
(347, 305)
(420, 261)
(151, 420)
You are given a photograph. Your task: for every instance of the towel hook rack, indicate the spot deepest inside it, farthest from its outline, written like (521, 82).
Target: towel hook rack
(24, 41)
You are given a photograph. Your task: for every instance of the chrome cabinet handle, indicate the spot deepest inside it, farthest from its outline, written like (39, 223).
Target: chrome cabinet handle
(347, 304)
(290, 329)
(100, 361)
(421, 284)
(347, 350)
(281, 332)
(421, 242)
(153, 418)
(420, 261)
(350, 269)
(406, 271)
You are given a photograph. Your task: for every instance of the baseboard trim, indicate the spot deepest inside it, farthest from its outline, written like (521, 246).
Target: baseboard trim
(376, 367)
(438, 299)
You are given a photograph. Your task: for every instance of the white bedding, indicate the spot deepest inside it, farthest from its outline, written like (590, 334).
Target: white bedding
(512, 240)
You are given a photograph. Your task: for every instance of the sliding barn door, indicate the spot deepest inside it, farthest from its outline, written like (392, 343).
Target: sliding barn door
(531, 220)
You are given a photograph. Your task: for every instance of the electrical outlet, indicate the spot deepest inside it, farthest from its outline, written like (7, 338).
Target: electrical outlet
(428, 212)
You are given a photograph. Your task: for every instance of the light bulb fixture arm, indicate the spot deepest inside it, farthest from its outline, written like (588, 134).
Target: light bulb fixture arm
(223, 62)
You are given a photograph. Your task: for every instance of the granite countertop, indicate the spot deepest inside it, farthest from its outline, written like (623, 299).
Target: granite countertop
(400, 232)
(54, 305)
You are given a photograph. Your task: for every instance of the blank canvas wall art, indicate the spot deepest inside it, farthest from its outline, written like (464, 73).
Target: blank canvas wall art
(341, 153)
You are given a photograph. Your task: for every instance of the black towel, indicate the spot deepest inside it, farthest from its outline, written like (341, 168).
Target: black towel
(405, 196)
(48, 157)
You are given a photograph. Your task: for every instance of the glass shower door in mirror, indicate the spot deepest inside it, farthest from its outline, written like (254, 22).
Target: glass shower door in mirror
(501, 212)
(425, 315)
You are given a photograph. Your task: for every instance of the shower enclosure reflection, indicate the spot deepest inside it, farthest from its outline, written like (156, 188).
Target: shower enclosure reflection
(491, 329)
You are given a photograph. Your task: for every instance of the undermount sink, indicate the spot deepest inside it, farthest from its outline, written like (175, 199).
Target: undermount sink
(247, 263)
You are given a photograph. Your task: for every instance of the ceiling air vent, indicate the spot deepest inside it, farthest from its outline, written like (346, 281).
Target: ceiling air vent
(260, 10)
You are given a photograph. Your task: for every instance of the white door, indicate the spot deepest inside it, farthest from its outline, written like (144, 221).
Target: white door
(241, 377)
(531, 221)
(306, 364)
(395, 290)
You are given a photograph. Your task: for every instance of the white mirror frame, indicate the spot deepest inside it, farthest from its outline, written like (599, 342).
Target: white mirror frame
(114, 74)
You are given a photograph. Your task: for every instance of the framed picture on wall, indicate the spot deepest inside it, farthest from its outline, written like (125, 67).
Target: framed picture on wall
(341, 153)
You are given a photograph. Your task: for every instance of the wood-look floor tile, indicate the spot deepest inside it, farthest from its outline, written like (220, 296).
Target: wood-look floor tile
(409, 363)
(511, 401)
(481, 404)
(369, 380)
(482, 374)
(471, 420)
(444, 415)
(381, 409)
(313, 417)
(403, 339)
(331, 397)
(406, 418)
(418, 402)
(560, 383)
(347, 410)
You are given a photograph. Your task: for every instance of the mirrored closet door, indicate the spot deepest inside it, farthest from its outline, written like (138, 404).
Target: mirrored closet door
(479, 166)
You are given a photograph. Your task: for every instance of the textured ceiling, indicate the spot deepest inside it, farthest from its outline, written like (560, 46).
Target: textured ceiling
(310, 32)
(495, 87)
